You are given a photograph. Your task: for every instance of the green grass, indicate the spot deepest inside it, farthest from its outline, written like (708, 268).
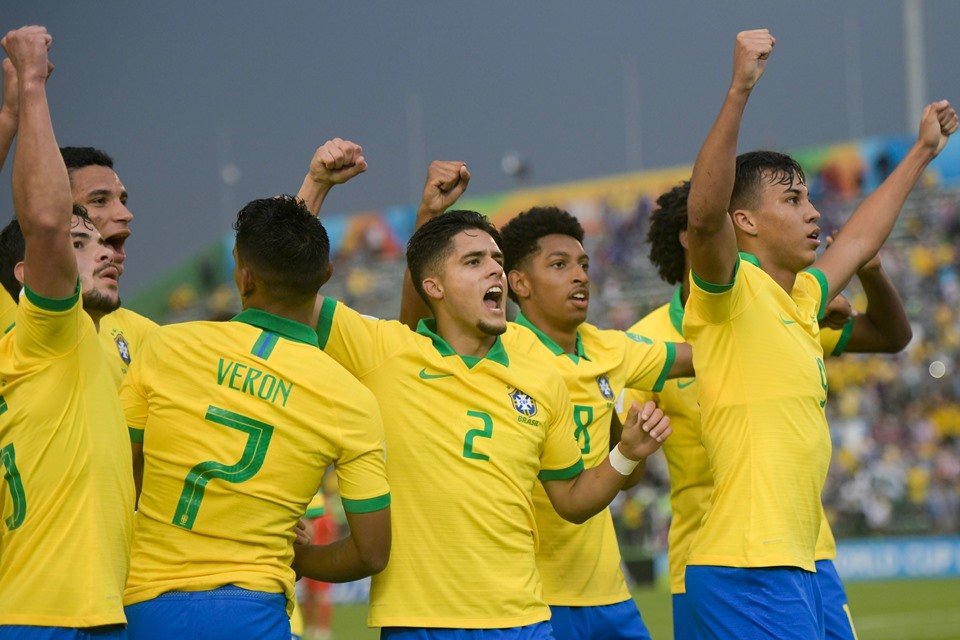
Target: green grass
(902, 610)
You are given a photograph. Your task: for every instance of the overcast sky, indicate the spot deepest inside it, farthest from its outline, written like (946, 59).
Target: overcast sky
(176, 90)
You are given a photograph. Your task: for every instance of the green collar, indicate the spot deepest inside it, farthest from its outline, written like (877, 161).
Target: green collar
(676, 310)
(428, 327)
(290, 329)
(548, 342)
(752, 259)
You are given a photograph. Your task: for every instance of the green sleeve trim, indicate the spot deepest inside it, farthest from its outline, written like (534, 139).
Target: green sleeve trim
(325, 321)
(366, 506)
(136, 435)
(562, 474)
(54, 304)
(315, 513)
(844, 338)
(710, 287)
(667, 365)
(824, 290)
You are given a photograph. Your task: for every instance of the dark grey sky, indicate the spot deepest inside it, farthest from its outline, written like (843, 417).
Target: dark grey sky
(174, 90)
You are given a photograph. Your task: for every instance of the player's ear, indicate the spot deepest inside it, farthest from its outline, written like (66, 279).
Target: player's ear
(327, 273)
(745, 221)
(433, 288)
(683, 239)
(518, 283)
(18, 272)
(246, 282)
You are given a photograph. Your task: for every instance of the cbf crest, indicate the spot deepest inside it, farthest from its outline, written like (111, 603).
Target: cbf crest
(605, 389)
(524, 404)
(122, 348)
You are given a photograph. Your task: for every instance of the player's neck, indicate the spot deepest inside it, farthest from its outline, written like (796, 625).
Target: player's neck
(466, 341)
(96, 317)
(783, 275)
(564, 335)
(301, 312)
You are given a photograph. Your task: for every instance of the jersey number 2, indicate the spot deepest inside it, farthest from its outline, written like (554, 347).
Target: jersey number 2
(255, 450)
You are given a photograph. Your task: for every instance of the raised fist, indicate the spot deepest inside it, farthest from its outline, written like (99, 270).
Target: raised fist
(337, 161)
(938, 123)
(446, 182)
(750, 55)
(27, 48)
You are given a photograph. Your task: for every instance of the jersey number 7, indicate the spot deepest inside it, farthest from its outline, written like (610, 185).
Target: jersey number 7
(255, 450)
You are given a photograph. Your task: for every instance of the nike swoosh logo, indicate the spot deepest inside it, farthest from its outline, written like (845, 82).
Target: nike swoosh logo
(683, 385)
(787, 320)
(433, 376)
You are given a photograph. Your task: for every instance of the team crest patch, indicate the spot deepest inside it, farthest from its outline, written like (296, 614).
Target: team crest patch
(605, 389)
(524, 404)
(122, 348)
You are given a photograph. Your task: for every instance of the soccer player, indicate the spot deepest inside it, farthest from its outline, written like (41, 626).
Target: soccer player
(882, 328)
(547, 269)
(237, 422)
(762, 418)
(475, 422)
(67, 494)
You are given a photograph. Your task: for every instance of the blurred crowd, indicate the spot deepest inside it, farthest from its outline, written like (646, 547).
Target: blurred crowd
(895, 419)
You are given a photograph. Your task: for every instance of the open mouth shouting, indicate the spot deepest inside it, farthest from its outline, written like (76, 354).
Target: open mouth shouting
(493, 299)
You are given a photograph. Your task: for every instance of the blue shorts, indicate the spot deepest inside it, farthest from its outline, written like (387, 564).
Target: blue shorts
(227, 613)
(620, 621)
(684, 628)
(536, 631)
(837, 621)
(24, 632)
(775, 603)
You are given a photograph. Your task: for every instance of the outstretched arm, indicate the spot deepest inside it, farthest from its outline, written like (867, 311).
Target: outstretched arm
(871, 223)
(712, 240)
(41, 187)
(579, 499)
(363, 553)
(446, 182)
(10, 109)
(334, 162)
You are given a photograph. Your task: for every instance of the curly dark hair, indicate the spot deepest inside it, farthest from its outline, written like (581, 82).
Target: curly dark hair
(284, 245)
(80, 157)
(521, 235)
(430, 245)
(666, 223)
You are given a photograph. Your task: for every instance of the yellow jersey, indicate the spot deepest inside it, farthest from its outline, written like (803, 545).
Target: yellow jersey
(762, 389)
(580, 564)
(687, 464)
(467, 439)
(238, 422)
(8, 311)
(122, 333)
(67, 495)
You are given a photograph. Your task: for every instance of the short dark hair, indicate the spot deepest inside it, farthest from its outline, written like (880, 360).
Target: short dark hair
(80, 157)
(666, 223)
(521, 236)
(284, 245)
(12, 249)
(755, 166)
(430, 245)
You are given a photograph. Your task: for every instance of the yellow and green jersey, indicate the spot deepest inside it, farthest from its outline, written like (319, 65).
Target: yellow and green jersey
(690, 479)
(467, 439)
(238, 422)
(8, 311)
(762, 389)
(122, 334)
(67, 495)
(580, 564)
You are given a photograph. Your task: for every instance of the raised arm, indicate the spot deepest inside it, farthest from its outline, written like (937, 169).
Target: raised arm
(446, 182)
(579, 499)
(883, 327)
(712, 240)
(363, 553)
(10, 109)
(41, 187)
(334, 162)
(871, 223)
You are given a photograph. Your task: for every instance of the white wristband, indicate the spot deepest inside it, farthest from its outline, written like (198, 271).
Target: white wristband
(622, 463)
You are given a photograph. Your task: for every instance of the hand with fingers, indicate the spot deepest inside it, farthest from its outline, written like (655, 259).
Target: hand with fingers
(938, 123)
(27, 49)
(337, 161)
(446, 182)
(750, 54)
(644, 430)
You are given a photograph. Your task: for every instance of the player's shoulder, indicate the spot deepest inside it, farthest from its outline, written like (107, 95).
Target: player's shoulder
(129, 319)
(653, 322)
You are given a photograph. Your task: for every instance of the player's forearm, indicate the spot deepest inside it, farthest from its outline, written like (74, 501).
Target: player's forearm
(711, 184)
(588, 494)
(884, 326)
(41, 186)
(8, 131)
(339, 561)
(871, 222)
(313, 194)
